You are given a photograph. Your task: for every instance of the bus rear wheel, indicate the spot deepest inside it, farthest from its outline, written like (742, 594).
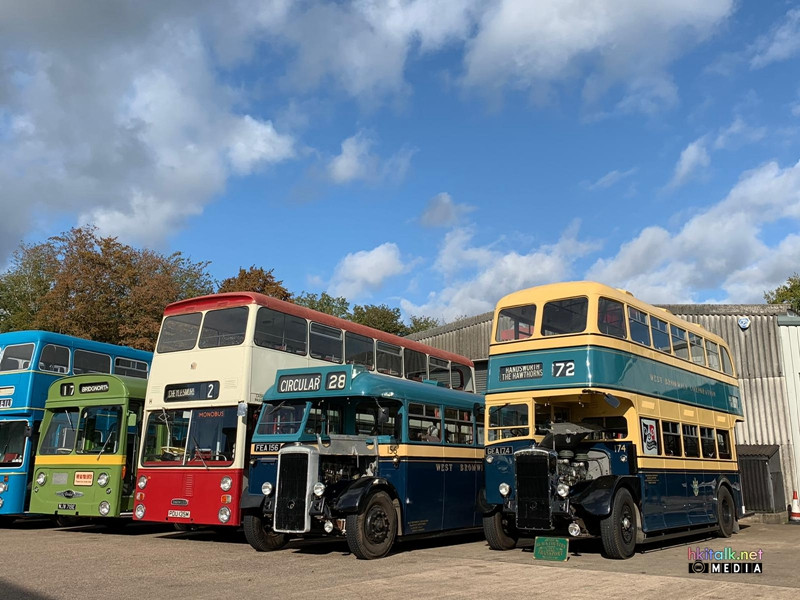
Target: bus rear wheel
(260, 536)
(618, 529)
(371, 532)
(725, 513)
(500, 532)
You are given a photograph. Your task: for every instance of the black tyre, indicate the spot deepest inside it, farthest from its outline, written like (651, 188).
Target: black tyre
(371, 532)
(726, 514)
(183, 526)
(500, 531)
(6, 521)
(618, 529)
(260, 536)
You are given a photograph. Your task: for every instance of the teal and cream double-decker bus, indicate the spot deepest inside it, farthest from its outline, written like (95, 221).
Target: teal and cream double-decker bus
(86, 461)
(340, 451)
(607, 416)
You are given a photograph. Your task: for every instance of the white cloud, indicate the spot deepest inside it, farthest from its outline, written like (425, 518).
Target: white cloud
(723, 247)
(524, 45)
(781, 43)
(738, 133)
(693, 158)
(365, 271)
(443, 212)
(356, 161)
(119, 117)
(611, 178)
(494, 273)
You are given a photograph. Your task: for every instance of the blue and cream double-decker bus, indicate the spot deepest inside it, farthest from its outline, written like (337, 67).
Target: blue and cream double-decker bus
(29, 362)
(341, 451)
(609, 417)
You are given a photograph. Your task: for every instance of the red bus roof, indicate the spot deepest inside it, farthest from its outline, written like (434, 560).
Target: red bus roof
(229, 299)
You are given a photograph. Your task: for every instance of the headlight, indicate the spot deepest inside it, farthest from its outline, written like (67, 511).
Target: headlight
(102, 479)
(562, 489)
(319, 489)
(266, 488)
(489, 459)
(225, 483)
(3, 486)
(142, 482)
(139, 511)
(104, 508)
(503, 488)
(224, 514)
(41, 478)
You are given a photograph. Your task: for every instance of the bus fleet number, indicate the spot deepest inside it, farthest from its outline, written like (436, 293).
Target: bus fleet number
(336, 381)
(563, 368)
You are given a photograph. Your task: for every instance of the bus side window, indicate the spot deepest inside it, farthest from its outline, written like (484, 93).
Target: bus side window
(672, 439)
(691, 444)
(724, 445)
(707, 442)
(610, 318)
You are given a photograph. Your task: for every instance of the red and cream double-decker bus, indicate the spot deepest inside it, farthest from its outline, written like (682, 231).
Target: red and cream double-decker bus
(216, 355)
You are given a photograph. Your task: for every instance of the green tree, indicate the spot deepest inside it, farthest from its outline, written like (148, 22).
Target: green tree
(422, 323)
(336, 306)
(788, 293)
(82, 284)
(22, 287)
(380, 317)
(256, 280)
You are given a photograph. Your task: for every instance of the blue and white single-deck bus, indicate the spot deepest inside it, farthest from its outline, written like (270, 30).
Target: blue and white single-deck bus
(607, 416)
(344, 452)
(29, 362)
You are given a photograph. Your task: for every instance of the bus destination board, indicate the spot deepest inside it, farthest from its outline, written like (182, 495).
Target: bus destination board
(203, 390)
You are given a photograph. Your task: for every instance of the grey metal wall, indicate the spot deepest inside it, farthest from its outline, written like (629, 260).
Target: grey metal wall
(468, 337)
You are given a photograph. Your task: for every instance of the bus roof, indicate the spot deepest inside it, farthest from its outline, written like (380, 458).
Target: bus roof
(556, 291)
(360, 382)
(96, 386)
(230, 299)
(49, 337)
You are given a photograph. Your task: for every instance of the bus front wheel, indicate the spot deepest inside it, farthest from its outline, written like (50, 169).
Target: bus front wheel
(371, 532)
(499, 531)
(260, 535)
(618, 529)
(725, 512)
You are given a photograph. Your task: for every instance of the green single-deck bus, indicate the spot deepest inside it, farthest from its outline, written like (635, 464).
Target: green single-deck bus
(86, 460)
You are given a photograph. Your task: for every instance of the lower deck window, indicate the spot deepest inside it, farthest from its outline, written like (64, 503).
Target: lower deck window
(691, 446)
(508, 420)
(672, 439)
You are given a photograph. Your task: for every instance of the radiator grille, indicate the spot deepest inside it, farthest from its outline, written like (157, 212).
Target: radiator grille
(290, 498)
(533, 490)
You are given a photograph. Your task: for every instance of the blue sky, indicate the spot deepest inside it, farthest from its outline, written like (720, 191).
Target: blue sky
(431, 155)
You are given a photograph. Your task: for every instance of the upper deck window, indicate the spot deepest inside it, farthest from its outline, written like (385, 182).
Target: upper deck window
(439, 370)
(460, 376)
(679, 345)
(326, 343)
(16, 356)
(416, 365)
(515, 323)
(712, 351)
(727, 365)
(562, 317)
(224, 327)
(611, 318)
(389, 359)
(179, 332)
(637, 321)
(91, 362)
(359, 350)
(660, 332)
(696, 346)
(54, 359)
(130, 367)
(280, 331)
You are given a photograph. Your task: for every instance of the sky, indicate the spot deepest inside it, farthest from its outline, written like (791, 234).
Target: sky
(431, 155)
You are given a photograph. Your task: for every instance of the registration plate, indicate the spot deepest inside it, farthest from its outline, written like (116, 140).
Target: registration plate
(62, 506)
(180, 514)
(5, 402)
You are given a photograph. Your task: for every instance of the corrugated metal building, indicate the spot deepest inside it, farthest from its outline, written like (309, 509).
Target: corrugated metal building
(765, 348)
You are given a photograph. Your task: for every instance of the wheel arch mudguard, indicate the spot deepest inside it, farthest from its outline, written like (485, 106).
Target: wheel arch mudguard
(353, 498)
(595, 499)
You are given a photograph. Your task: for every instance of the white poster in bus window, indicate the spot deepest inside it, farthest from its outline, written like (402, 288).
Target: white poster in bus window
(649, 436)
